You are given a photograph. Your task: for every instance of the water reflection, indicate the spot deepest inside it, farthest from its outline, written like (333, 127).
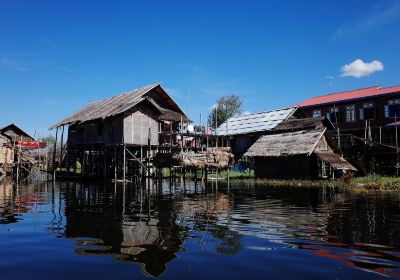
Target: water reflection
(152, 225)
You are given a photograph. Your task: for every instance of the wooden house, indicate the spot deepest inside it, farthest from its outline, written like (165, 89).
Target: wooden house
(298, 149)
(137, 122)
(16, 133)
(6, 153)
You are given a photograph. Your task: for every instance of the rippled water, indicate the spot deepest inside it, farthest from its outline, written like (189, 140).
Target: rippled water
(94, 231)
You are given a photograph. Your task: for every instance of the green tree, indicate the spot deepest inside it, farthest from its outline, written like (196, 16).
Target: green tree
(50, 139)
(226, 107)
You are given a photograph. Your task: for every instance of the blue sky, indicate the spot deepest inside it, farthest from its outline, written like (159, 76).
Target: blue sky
(57, 56)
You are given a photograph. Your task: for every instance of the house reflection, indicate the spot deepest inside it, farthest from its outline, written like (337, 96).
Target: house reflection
(15, 201)
(151, 228)
(124, 222)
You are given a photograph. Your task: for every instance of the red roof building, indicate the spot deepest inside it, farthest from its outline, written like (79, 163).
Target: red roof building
(363, 112)
(351, 95)
(371, 113)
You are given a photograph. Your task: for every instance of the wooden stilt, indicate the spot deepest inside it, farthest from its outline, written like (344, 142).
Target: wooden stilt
(115, 163)
(124, 167)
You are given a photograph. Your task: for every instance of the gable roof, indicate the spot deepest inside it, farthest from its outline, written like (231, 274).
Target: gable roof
(115, 105)
(349, 95)
(256, 122)
(15, 128)
(301, 142)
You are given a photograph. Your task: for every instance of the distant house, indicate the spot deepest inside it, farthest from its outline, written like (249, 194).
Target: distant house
(298, 149)
(368, 112)
(16, 133)
(243, 130)
(6, 153)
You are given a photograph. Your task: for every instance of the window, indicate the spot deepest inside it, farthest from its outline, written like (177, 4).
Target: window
(316, 113)
(351, 113)
(333, 115)
(367, 112)
(393, 108)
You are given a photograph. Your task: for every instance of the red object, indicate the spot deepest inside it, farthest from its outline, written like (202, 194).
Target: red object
(207, 130)
(348, 95)
(33, 144)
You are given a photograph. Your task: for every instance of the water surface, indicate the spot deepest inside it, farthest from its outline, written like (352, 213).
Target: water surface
(240, 231)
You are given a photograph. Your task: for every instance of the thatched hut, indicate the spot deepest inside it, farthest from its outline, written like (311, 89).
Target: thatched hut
(305, 154)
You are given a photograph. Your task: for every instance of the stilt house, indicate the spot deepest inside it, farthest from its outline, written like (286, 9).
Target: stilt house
(139, 121)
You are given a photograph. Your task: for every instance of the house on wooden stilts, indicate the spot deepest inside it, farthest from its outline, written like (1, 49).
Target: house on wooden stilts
(116, 137)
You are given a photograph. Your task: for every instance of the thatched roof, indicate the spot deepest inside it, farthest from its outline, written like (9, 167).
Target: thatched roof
(118, 104)
(216, 157)
(286, 144)
(301, 142)
(256, 122)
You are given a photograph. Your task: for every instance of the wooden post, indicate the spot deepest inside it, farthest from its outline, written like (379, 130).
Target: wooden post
(216, 124)
(54, 150)
(170, 136)
(54, 156)
(397, 147)
(105, 163)
(380, 134)
(62, 142)
(148, 152)
(18, 163)
(115, 163)
(181, 133)
(201, 131)
(124, 167)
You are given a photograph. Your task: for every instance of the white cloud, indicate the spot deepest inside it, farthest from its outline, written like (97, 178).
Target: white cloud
(359, 68)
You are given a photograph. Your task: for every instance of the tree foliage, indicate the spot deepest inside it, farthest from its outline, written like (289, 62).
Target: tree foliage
(226, 107)
(50, 139)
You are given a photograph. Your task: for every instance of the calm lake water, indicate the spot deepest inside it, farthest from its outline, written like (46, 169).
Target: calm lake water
(94, 231)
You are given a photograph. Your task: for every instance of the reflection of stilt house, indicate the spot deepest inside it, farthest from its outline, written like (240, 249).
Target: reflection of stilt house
(114, 136)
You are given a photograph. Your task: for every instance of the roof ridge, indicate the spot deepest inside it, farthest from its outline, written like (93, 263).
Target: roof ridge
(126, 92)
(339, 92)
(274, 110)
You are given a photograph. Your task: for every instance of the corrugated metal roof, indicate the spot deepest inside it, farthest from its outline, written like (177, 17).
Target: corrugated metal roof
(256, 122)
(349, 95)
